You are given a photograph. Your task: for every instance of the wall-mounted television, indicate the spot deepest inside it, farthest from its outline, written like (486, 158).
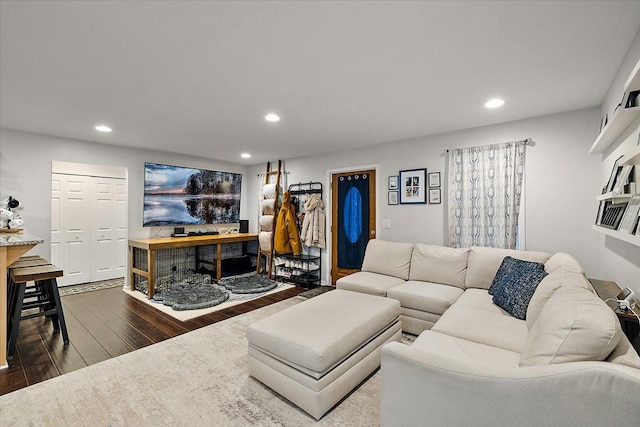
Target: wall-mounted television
(177, 195)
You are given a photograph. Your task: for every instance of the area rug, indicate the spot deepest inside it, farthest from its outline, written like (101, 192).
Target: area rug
(316, 291)
(184, 315)
(198, 378)
(90, 287)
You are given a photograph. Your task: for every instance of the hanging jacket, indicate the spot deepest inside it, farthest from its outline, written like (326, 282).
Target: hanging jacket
(286, 238)
(313, 224)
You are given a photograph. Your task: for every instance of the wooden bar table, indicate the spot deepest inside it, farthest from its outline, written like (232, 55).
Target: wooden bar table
(153, 244)
(12, 247)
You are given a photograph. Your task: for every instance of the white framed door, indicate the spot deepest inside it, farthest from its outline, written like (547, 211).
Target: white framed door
(88, 227)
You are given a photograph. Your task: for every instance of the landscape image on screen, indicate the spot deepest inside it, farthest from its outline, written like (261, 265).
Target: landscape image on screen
(175, 195)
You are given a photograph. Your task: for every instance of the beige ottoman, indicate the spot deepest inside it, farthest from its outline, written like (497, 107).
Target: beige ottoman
(318, 351)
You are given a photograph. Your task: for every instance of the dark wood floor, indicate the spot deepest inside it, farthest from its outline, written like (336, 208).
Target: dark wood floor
(101, 325)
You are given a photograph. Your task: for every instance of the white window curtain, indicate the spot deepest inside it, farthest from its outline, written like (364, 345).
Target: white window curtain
(485, 185)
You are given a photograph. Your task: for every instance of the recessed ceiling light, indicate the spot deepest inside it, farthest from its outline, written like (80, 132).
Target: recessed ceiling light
(103, 128)
(272, 117)
(245, 155)
(494, 103)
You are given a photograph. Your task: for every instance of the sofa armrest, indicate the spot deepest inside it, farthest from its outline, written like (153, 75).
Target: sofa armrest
(421, 388)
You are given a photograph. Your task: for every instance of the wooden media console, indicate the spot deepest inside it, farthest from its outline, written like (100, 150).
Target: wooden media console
(150, 246)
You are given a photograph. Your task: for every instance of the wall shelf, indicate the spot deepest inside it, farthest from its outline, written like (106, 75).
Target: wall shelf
(620, 119)
(631, 159)
(609, 203)
(626, 237)
(618, 123)
(614, 196)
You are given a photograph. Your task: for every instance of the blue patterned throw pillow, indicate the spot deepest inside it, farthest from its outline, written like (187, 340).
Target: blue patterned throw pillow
(516, 288)
(507, 264)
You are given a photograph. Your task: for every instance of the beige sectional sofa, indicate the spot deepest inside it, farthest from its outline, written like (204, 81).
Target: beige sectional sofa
(473, 363)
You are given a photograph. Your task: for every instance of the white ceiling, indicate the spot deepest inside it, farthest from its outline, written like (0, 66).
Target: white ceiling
(198, 77)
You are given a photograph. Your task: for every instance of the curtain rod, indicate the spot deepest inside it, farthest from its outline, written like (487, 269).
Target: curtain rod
(527, 141)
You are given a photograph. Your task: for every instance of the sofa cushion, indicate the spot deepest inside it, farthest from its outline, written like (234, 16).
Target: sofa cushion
(469, 352)
(425, 296)
(388, 258)
(484, 263)
(557, 278)
(509, 263)
(479, 299)
(419, 314)
(563, 260)
(574, 325)
(416, 321)
(517, 287)
(439, 264)
(477, 319)
(368, 283)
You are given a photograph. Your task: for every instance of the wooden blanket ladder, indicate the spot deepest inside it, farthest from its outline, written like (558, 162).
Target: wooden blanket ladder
(272, 176)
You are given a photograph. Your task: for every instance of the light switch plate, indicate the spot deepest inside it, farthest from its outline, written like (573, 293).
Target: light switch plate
(386, 223)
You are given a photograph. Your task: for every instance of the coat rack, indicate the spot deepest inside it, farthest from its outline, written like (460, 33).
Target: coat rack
(304, 269)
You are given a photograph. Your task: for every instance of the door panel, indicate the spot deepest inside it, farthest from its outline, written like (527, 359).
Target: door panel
(120, 231)
(107, 229)
(75, 268)
(353, 220)
(76, 220)
(56, 220)
(102, 243)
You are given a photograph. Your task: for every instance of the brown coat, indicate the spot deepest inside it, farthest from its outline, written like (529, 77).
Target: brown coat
(286, 238)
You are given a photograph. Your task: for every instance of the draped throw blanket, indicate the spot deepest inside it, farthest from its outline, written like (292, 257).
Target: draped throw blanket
(267, 209)
(485, 185)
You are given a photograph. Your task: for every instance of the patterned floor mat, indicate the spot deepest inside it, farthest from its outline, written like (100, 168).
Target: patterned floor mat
(90, 287)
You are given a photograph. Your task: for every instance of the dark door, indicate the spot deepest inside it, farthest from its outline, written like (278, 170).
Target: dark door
(353, 220)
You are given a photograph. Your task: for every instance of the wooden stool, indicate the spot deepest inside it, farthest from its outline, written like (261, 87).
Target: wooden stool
(45, 290)
(25, 261)
(34, 262)
(29, 257)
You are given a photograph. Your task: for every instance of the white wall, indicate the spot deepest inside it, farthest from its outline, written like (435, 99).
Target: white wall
(561, 181)
(620, 261)
(25, 173)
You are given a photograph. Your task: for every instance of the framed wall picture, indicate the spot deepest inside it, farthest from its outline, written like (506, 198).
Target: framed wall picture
(434, 179)
(604, 121)
(630, 217)
(392, 198)
(613, 215)
(393, 182)
(434, 196)
(601, 207)
(413, 184)
(622, 179)
(614, 175)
